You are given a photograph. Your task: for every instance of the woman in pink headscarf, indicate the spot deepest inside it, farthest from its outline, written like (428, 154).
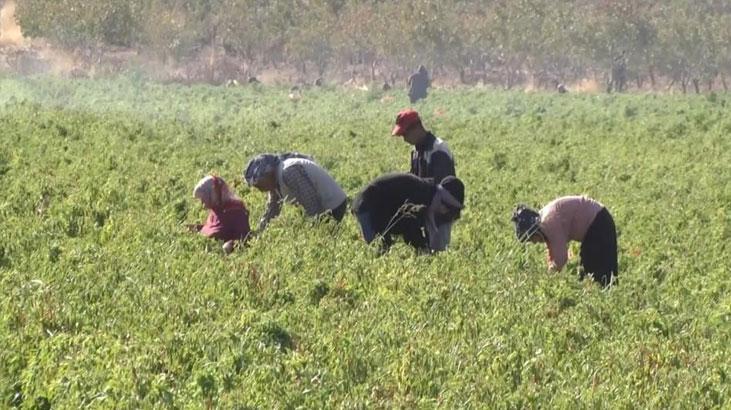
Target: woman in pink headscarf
(228, 218)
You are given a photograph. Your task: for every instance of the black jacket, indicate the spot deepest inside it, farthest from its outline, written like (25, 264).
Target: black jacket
(432, 159)
(384, 200)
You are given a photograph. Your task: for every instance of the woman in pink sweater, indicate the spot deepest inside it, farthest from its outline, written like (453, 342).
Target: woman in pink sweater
(576, 218)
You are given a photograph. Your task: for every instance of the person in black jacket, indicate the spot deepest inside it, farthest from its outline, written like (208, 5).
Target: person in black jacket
(431, 157)
(415, 208)
(418, 83)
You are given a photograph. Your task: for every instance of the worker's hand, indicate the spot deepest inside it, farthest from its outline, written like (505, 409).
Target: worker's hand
(228, 247)
(553, 268)
(193, 227)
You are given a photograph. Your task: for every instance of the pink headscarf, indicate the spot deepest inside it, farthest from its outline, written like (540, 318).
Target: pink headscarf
(228, 218)
(214, 192)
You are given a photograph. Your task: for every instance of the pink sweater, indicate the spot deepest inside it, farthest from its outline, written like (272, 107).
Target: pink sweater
(565, 219)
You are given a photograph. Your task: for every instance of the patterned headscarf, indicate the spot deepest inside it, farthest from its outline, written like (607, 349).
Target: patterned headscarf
(263, 164)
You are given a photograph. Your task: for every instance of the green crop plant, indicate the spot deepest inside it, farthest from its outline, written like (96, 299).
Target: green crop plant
(108, 302)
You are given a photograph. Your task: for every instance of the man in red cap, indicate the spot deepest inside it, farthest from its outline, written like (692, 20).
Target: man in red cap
(431, 157)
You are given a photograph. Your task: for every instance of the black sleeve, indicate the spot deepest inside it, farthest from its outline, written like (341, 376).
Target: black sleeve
(414, 170)
(441, 166)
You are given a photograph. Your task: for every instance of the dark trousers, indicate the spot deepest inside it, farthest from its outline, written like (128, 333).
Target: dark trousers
(599, 249)
(409, 228)
(338, 212)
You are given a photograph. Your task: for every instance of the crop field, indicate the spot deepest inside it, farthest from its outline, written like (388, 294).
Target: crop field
(106, 301)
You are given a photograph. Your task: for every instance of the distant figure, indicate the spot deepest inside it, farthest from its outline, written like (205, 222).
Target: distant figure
(294, 94)
(418, 83)
(76, 72)
(253, 80)
(386, 86)
(232, 83)
(228, 218)
(576, 218)
(318, 82)
(619, 74)
(561, 88)
(415, 208)
(295, 178)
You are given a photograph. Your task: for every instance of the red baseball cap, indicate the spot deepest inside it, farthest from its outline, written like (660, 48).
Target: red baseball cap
(404, 120)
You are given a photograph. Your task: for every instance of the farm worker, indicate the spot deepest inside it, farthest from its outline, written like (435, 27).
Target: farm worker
(415, 208)
(418, 83)
(430, 157)
(295, 178)
(228, 218)
(577, 218)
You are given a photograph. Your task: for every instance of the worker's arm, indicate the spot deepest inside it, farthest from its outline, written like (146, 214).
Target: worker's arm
(557, 254)
(274, 207)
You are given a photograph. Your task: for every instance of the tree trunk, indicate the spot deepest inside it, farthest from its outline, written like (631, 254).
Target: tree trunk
(211, 75)
(696, 85)
(509, 79)
(723, 82)
(212, 58)
(652, 77)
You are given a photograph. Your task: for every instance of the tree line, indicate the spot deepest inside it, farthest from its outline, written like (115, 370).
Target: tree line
(624, 43)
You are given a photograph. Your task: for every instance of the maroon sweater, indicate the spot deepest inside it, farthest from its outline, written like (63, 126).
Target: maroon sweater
(229, 222)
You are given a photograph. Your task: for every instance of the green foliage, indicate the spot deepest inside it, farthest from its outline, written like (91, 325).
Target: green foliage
(79, 23)
(683, 40)
(109, 302)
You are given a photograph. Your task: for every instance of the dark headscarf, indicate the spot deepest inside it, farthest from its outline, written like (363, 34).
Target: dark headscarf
(527, 222)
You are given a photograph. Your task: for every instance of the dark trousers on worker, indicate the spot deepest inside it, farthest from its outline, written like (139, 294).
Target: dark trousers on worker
(599, 250)
(338, 212)
(410, 228)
